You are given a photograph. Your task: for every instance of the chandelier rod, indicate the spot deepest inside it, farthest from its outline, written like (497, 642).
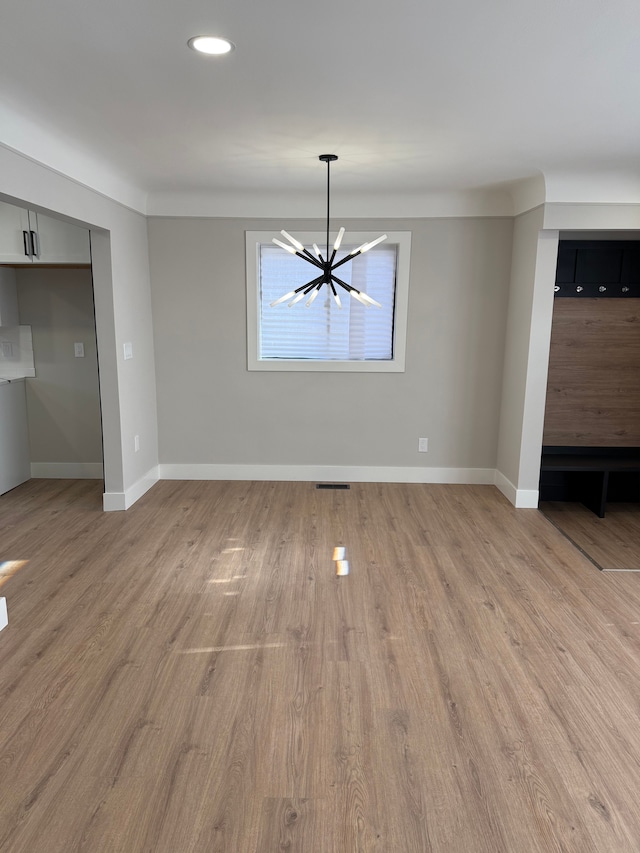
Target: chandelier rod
(328, 159)
(328, 196)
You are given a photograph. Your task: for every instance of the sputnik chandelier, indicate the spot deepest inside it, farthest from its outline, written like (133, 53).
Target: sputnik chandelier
(327, 263)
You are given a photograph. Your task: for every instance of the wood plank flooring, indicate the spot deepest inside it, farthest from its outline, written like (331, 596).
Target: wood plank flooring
(613, 542)
(190, 676)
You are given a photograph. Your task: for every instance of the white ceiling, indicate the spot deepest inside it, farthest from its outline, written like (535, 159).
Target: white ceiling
(414, 97)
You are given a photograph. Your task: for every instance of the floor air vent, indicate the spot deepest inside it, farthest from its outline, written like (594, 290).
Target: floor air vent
(332, 486)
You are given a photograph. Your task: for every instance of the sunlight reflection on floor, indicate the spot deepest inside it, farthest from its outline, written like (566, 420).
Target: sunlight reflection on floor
(232, 648)
(9, 568)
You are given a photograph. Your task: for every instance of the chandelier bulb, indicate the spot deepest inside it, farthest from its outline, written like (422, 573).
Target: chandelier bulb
(336, 245)
(337, 299)
(293, 240)
(369, 300)
(282, 299)
(309, 302)
(373, 243)
(300, 296)
(282, 245)
(366, 246)
(357, 295)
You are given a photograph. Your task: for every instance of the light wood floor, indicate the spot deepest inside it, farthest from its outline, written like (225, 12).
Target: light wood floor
(613, 541)
(191, 676)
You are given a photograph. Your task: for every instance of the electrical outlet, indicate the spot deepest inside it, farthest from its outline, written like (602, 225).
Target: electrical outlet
(136, 443)
(7, 349)
(78, 350)
(423, 445)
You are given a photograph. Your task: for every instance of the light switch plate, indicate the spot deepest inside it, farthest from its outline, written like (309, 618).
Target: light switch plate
(78, 350)
(128, 350)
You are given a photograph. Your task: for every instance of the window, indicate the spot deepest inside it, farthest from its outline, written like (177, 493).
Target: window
(323, 336)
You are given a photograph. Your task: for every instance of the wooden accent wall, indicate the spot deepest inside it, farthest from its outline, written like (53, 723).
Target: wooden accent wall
(593, 390)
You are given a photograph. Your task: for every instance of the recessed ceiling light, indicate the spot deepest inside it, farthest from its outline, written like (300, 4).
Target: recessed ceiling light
(211, 45)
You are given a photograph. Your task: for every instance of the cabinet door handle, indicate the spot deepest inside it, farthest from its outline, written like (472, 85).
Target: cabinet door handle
(35, 248)
(27, 243)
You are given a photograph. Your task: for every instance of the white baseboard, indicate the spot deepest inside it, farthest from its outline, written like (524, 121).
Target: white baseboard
(115, 501)
(520, 498)
(67, 470)
(527, 499)
(4, 618)
(327, 473)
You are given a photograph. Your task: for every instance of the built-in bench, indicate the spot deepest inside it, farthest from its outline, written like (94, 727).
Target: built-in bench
(590, 475)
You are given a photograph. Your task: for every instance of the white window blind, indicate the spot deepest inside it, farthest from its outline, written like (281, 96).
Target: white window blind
(324, 332)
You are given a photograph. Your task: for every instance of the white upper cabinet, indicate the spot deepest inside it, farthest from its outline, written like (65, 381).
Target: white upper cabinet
(14, 234)
(59, 242)
(27, 237)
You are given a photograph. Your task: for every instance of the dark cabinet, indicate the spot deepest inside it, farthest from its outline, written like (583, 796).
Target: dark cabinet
(602, 268)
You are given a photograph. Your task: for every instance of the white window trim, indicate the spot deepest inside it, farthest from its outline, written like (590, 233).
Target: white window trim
(402, 239)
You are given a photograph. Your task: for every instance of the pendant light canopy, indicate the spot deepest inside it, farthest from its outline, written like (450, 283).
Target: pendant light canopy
(325, 264)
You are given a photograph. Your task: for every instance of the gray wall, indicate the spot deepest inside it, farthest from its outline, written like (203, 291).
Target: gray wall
(63, 403)
(212, 410)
